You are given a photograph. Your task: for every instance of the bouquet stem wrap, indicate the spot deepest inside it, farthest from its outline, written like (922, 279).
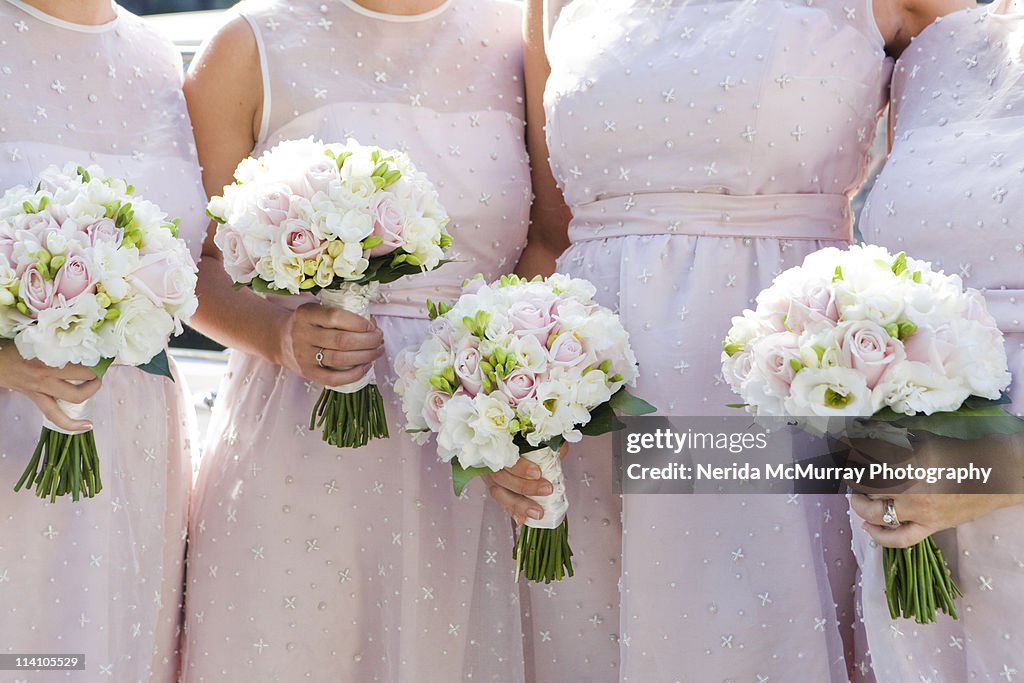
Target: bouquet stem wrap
(352, 414)
(64, 462)
(542, 552)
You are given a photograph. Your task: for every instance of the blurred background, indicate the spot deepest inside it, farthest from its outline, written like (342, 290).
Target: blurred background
(162, 6)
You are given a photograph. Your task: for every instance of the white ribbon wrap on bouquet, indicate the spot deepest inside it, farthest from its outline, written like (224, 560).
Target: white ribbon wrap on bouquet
(75, 411)
(556, 504)
(354, 299)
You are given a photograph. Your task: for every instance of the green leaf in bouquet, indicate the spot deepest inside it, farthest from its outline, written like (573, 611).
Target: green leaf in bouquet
(979, 402)
(463, 475)
(628, 404)
(524, 446)
(736, 405)
(967, 423)
(159, 365)
(261, 286)
(975, 419)
(602, 421)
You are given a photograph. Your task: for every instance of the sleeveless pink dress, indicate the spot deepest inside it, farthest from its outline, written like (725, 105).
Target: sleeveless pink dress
(951, 194)
(309, 562)
(703, 148)
(104, 576)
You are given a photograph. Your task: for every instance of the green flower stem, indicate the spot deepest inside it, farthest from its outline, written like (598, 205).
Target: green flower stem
(918, 582)
(350, 420)
(543, 554)
(61, 465)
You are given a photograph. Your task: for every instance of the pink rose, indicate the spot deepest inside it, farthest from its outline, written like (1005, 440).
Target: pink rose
(37, 224)
(520, 384)
(238, 262)
(36, 291)
(299, 240)
(925, 346)
(467, 369)
(772, 357)
(318, 177)
(73, 278)
(104, 231)
(164, 278)
(868, 349)
(431, 407)
(442, 330)
(273, 204)
(737, 369)
(388, 224)
(568, 351)
(532, 318)
(815, 305)
(773, 311)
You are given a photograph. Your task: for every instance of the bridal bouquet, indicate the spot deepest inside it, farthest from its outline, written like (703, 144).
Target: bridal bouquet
(518, 368)
(338, 221)
(862, 333)
(89, 274)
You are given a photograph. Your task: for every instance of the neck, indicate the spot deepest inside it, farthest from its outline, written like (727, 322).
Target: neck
(399, 7)
(88, 12)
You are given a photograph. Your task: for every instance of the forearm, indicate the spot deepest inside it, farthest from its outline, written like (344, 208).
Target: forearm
(537, 259)
(238, 319)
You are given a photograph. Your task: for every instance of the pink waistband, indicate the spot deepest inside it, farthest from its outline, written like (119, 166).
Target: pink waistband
(777, 216)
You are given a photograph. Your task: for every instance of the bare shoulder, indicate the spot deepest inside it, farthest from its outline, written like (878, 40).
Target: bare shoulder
(231, 51)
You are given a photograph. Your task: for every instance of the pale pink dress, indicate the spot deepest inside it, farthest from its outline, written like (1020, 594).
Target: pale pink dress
(704, 147)
(104, 576)
(309, 562)
(951, 194)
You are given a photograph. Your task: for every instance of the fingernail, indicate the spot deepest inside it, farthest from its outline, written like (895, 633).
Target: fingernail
(533, 472)
(534, 514)
(88, 425)
(547, 489)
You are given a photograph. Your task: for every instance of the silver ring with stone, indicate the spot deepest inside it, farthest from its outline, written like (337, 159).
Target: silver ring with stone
(889, 517)
(320, 358)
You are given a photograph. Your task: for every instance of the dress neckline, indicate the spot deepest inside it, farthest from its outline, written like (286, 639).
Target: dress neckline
(42, 16)
(397, 18)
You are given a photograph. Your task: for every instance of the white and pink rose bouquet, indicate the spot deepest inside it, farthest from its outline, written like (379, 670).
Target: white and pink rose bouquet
(336, 220)
(516, 368)
(861, 333)
(90, 274)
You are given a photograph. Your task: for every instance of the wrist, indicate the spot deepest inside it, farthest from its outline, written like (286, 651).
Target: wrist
(281, 351)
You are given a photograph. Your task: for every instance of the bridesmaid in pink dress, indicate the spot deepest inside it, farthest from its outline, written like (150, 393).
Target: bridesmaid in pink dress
(951, 194)
(91, 83)
(309, 562)
(702, 148)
